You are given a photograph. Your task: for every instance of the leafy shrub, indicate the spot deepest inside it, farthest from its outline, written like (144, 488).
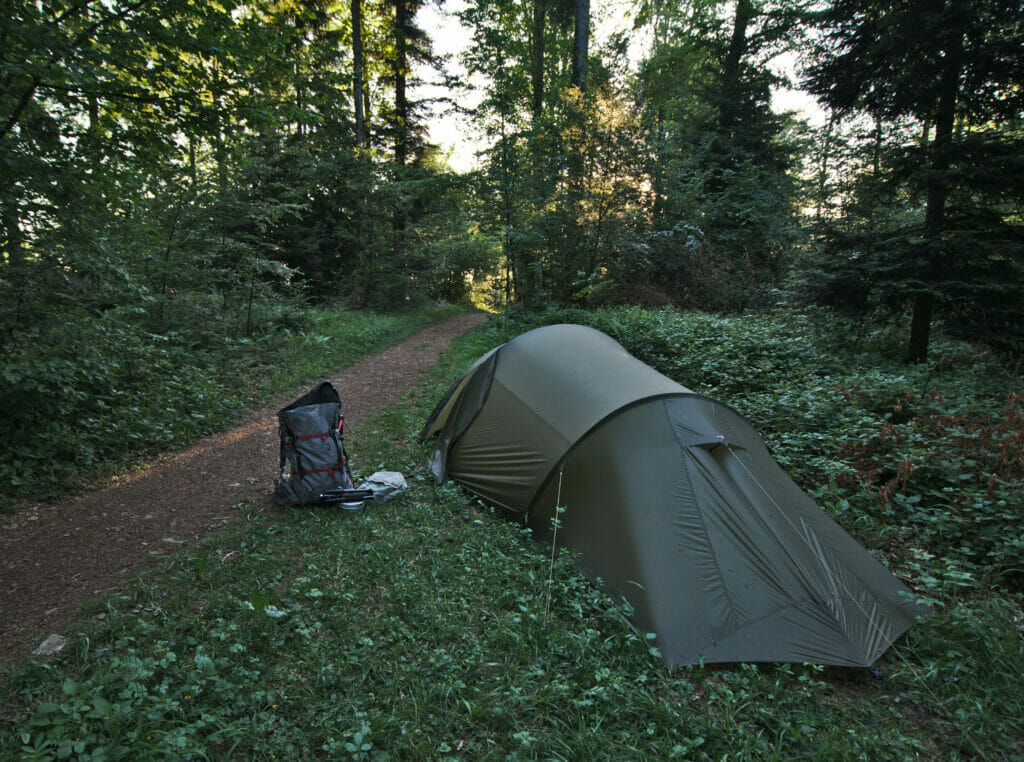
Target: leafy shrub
(644, 295)
(690, 272)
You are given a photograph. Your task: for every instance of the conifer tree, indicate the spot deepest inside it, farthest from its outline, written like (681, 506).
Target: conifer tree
(954, 67)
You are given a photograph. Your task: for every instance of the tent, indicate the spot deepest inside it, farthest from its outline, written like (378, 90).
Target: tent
(671, 499)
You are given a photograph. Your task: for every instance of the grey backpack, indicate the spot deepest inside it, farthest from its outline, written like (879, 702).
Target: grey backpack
(311, 443)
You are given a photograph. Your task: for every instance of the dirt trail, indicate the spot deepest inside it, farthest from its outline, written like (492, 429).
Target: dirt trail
(53, 558)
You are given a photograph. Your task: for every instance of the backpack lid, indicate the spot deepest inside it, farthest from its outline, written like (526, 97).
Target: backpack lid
(325, 393)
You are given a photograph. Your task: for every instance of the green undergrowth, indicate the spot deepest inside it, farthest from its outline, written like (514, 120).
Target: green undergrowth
(433, 628)
(100, 392)
(925, 459)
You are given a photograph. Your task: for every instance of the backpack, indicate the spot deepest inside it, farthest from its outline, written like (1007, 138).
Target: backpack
(311, 443)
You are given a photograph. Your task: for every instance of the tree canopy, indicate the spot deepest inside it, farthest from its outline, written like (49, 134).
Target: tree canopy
(194, 165)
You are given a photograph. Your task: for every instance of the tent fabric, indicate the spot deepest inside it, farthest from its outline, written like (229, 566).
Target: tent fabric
(672, 500)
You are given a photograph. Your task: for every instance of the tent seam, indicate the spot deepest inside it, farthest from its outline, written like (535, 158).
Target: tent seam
(700, 514)
(818, 603)
(580, 439)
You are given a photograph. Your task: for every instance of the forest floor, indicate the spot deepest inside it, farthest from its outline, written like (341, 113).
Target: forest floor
(58, 556)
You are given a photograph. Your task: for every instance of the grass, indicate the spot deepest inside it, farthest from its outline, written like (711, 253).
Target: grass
(430, 627)
(104, 394)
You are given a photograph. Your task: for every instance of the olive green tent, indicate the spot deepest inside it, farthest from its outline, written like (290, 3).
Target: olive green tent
(672, 501)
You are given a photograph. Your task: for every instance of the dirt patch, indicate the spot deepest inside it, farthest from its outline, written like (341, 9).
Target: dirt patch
(53, 558)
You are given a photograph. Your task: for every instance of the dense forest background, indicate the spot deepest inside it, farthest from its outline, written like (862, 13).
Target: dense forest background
(182, 176)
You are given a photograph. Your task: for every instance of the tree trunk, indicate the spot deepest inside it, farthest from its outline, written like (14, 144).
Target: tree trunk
(822, 183)
(401, 100)
(733, 57)
(299, 102)
(876, 158)
(574, 257)
(220, 154)
(367, 112)
(581, 44)
(938, 190)
(362, 273)
(358, 66)
(94, 114)
(657, 166)
(401, 122)
(537, 64)
(658, 171)
(920, 327)
(515, 266)
(721, 157)
(14, 238)
(522, 256)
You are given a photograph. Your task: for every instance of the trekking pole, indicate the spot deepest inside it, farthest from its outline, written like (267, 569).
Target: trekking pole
(335, 496)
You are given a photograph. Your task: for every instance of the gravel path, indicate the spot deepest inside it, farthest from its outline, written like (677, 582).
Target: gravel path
(53, 558)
